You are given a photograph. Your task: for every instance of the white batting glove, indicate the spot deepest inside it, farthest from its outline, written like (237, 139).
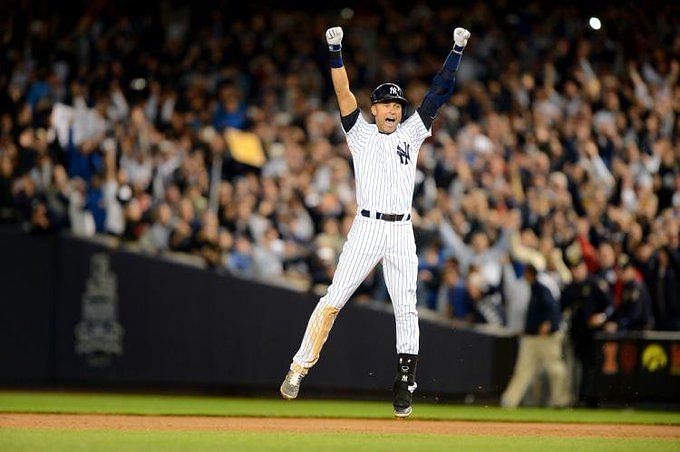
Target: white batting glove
(461, 36)
(334, 36)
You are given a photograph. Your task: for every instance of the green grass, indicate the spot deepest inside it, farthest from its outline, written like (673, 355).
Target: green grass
(56, 402)
(62, 440)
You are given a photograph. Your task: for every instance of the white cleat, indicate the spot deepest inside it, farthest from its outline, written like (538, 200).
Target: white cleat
(291, 385)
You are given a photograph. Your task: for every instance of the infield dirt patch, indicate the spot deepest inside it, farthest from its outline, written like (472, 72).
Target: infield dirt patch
(410, 426)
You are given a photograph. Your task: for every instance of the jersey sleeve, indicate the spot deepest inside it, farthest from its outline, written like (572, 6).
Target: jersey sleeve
(416, 129)
(357, 130)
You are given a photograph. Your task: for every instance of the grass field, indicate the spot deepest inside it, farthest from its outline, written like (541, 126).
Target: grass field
(14, 439)
(40, 437)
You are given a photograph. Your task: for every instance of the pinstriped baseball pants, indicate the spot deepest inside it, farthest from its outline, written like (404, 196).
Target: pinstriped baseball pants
(369, 242)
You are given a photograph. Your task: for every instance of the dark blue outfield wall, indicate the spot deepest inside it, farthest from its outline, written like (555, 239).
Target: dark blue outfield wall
(76, 312)
(27, 296)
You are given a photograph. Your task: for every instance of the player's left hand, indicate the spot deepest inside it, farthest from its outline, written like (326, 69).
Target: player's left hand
(461, 36)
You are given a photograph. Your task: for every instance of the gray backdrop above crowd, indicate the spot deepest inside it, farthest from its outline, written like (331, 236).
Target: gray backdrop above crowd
(80, 313)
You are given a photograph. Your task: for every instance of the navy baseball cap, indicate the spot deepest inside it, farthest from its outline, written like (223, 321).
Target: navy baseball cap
(388, 92)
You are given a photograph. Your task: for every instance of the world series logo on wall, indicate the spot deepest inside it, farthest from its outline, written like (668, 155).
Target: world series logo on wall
(98, 334)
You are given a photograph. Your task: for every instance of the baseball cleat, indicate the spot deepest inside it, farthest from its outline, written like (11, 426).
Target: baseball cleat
(403, 395)
(291, 385)
(403, 411)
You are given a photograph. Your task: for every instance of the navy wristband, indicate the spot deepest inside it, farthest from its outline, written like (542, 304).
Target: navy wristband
(458, 49)
(335, 55)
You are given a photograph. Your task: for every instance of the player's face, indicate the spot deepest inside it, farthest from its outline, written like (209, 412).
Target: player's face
(387, 116)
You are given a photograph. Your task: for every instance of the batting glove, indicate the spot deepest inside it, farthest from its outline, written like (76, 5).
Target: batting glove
(460, 37)
(334, 38)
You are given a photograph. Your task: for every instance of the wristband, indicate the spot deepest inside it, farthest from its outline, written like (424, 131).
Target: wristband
(335, 55)
(458, 49)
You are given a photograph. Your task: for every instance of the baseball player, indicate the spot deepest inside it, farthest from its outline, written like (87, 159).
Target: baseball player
(384, 156)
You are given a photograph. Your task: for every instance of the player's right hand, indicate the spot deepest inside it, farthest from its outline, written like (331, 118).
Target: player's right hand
(334, 36)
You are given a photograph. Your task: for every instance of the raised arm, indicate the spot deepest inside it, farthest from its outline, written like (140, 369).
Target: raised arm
(346, 100)
(453, 242)
(441, 88)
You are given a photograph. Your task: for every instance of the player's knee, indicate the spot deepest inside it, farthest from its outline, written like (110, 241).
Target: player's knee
(406, 313)
(328, 301)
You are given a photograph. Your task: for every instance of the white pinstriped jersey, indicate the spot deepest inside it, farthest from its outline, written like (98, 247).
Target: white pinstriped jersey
(385, 164)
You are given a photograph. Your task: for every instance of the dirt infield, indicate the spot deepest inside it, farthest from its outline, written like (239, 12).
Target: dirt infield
(410, 426)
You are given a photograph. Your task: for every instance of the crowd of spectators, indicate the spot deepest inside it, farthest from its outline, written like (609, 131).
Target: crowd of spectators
(217, 135)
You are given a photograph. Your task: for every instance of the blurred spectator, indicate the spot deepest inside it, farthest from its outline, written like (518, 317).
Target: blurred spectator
(268, 255)
(452, 298)
(665, 289)
(516, 293)
(240, 259)
(429, 278)
(590, 309)
(94, 203)
(231, 111)
(632, 306)
(540, 347)
(486, 300)
(207, 240)
(157, 237)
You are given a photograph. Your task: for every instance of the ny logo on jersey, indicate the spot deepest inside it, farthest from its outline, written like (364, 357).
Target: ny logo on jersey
(394, 91)
(403, 153)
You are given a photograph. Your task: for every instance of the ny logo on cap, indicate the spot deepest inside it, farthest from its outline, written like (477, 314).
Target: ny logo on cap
(403, 153)
(394, 90)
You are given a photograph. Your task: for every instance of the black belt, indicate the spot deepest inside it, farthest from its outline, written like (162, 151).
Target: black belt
(386, 216)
